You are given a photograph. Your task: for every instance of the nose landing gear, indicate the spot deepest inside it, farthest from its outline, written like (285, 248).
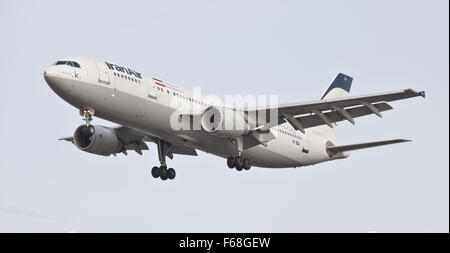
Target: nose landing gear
(87, 113)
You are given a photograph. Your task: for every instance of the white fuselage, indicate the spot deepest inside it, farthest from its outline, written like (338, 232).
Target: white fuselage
(146, 104)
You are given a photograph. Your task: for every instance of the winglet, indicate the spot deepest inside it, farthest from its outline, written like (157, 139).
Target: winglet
(415, 93)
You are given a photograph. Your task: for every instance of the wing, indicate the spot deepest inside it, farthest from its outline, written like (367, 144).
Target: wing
(135, 140)
(131, 139)
(328, 111)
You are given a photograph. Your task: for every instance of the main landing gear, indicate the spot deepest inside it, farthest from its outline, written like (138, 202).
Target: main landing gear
(237, 161)
(163, 173)
(164, 149)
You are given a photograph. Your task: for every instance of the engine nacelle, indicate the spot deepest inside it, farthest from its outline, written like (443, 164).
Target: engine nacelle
(224, 122)
(98, 140)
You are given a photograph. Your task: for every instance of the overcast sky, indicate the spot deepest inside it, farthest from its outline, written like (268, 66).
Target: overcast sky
(290, 48)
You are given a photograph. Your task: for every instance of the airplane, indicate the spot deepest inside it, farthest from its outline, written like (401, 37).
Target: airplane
(299, 134)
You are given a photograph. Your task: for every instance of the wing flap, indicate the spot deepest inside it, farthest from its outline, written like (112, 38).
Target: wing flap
(131, 139)
(333, 116)
(256, 138)
(183, 150)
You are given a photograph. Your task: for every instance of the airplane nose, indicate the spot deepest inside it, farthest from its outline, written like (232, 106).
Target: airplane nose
(49, 72)
(50, 76)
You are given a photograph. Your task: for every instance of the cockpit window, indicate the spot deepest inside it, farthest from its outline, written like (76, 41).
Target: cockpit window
(70, 63)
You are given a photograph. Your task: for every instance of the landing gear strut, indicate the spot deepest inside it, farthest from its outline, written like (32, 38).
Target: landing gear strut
(164, 149)
(87, 113)
(237, 161)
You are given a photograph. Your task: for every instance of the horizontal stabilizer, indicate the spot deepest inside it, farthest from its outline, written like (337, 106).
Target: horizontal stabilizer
(333, 150)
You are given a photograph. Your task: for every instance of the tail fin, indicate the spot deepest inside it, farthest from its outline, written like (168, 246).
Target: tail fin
(340, 87)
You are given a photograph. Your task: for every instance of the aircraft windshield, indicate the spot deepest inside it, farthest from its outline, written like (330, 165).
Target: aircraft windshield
(70, 63)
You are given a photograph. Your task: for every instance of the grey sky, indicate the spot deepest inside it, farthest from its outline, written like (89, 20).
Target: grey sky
(290, 48)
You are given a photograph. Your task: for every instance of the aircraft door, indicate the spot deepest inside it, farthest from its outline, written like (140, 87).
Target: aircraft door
(103, 73)
(151, 88)
(305, 145)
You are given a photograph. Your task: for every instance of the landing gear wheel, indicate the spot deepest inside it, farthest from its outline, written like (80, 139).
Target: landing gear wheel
(247, 164)
(155, 172)
(163, 173)
(171, 173)
(239, 163)
(230, 162)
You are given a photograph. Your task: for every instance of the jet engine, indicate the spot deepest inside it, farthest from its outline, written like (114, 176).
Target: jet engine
(98, 140)
(224, 122)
